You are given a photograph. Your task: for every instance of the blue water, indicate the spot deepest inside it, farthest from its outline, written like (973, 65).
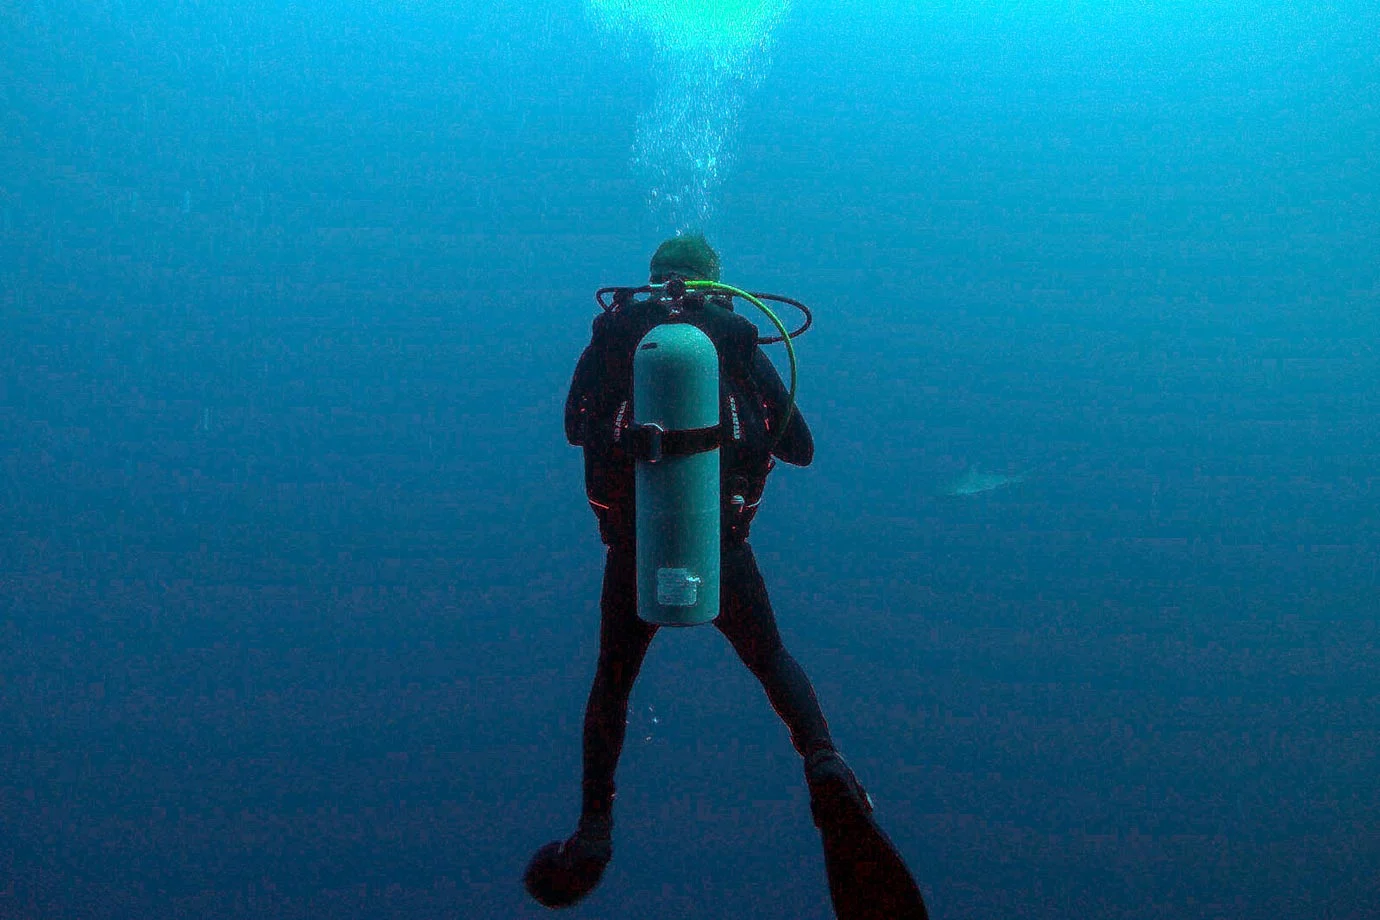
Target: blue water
(298, 588)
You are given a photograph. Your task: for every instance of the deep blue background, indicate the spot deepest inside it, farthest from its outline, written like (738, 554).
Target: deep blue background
(300, 590)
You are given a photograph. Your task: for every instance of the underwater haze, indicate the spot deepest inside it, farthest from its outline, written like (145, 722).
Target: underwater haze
(299, 589)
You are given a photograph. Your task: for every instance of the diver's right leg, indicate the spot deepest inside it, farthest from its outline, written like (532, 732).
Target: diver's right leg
(747, 621)
(562, 873)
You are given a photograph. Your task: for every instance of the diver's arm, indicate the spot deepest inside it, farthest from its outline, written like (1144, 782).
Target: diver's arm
(796, 446)
(581, 384)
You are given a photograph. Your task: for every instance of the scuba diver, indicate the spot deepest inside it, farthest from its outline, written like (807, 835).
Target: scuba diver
(748, 420)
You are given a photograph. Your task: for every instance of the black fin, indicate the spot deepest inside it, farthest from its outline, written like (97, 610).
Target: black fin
(562, 874)
(868, 878)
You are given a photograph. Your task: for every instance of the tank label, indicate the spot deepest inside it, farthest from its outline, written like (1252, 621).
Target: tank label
(677, 587)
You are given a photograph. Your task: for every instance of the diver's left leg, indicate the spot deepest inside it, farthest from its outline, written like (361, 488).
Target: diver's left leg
(623, 641)
(563, 872)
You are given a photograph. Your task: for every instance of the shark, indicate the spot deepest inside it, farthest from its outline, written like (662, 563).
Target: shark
(975, 481)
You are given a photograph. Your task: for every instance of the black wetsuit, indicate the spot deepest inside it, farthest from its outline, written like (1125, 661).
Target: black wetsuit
(597, 414)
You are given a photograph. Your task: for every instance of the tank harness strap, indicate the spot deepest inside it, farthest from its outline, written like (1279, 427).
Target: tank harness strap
(651, 442)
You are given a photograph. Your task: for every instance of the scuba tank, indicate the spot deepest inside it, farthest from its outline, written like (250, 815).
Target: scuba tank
(676, 442)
